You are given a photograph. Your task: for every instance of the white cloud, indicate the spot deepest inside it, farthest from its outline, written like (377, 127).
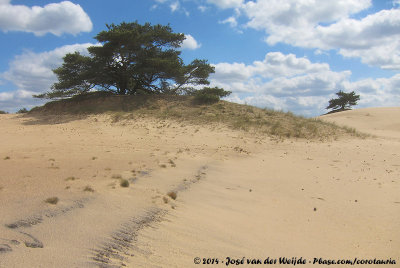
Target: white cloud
(202, 8)
(226, 3)
(286, 82)
(298, 22)
(190, 43)
(174, 6)
(13, 101)
(326, 25)
(266, 14)
(55, 18)
(31, 73)
(231, 21)
(275, 64)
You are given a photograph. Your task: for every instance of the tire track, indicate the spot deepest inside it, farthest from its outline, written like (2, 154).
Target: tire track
(29, 240)
(117, 249)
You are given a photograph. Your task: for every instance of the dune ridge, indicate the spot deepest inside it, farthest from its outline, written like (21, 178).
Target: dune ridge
(195, 190)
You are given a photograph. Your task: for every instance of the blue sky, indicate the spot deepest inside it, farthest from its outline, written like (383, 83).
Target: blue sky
(290, 55)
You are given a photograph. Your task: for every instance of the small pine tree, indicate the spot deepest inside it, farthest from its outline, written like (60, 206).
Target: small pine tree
(343, 102)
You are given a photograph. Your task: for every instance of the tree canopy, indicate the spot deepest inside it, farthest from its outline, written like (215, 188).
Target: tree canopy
(344, 101)
(131, 59)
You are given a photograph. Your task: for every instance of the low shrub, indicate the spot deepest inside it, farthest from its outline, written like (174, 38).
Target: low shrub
(210, 95)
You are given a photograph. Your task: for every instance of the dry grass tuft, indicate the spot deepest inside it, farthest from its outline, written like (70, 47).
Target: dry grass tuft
(88, 188)
(52, 200)
(124, 183)
(172, 163)
(173, 195)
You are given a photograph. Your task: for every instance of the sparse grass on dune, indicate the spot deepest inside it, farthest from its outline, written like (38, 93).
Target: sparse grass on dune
(183, 108)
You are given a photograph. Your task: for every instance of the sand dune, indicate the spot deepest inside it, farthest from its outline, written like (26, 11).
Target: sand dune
(194, 191)
(383, 121)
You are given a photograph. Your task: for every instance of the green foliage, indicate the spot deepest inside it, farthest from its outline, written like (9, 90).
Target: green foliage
(22, 111)
(3, 112)
(132, 59)
(344, 101)
(210, 95)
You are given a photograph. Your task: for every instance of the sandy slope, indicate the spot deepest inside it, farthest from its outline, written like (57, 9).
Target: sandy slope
(382, 121)
(238, 195)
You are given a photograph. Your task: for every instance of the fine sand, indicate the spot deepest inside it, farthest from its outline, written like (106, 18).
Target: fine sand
(195, 191)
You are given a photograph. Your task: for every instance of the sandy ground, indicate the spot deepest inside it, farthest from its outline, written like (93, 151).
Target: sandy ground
(239, 196)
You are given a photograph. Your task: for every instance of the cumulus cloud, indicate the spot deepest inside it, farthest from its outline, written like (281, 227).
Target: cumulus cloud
(190, 43)
(55, 18)
(275, 64)
(326, 25)
(31, 73)
(286, 82)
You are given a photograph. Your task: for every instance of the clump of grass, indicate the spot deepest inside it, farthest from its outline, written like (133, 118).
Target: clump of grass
(94, 158)
(163, 165)
(173, 195)
(172, 163)
(124, 183)
(165, 199)
(7, 158)
(116, 176)
(52, 200)
(72, 178)
(88, 188)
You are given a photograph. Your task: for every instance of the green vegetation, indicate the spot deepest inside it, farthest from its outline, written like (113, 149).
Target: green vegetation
(3, 112)
(22, 111)
(343, 102)
(133, 59)
(210, 95)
